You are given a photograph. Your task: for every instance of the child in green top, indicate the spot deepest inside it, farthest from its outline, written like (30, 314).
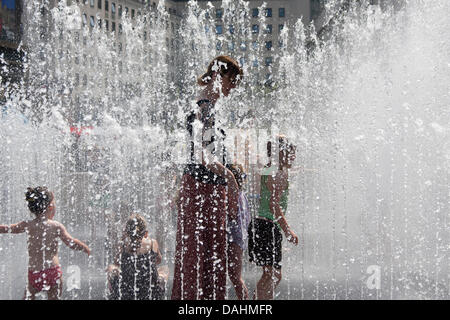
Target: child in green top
(265, 232)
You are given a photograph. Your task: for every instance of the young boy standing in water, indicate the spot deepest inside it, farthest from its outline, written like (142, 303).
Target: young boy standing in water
(44, 270)
(265, 231)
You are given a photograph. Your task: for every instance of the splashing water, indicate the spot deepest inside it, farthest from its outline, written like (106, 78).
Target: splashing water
(100, 120)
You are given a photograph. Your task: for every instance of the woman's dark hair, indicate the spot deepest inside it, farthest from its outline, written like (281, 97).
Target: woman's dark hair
(135, 229)
(239, 174)
(222, 65)
(38, 199)
(283, 145)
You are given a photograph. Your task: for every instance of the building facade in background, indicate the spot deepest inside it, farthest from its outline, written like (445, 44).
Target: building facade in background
(265, 25)
(10, 37)
(106, 14)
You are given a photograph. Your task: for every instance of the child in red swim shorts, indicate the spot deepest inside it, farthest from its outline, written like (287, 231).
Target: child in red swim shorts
(44, 270)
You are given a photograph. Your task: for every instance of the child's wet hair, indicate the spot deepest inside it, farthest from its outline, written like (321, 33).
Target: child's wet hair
(38, 199)
(135, 229)
(238, 172)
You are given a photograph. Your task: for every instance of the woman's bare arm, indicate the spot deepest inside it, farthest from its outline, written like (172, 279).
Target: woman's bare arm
(233, 189)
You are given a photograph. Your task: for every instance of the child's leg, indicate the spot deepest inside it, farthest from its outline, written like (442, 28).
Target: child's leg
(55, 291)
(270, 279)
(30, 293)
(235, 271)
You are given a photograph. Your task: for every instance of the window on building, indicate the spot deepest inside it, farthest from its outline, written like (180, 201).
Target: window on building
(99, 23)
(243, 46)
(99, 4)
(126, 11)
(92, 3)
(280, 44)
(219, 45)
(255, 12)
(268, 12)
(242, 61)
(281, 12)
(106, 5)
(219, 13)
(120, 28)
(255, 28)
(269, 45)
(268, 61)
(113, 8)
(268, 29)
(231, 29)
(84, 19)
(120, 10)
(92, 21)
(280, 27)
(219, 29)
(231, 45)
(255, 63)
(113, 26)
(316, 8)
(106, 24)
(255, 45)
(132, 13)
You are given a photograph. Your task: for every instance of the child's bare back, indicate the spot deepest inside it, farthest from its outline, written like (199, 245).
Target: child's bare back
(43, 235)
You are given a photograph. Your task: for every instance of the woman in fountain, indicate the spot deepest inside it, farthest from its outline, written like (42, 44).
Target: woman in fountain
(209, 192)
(135, 276)
(44, 270)
(265, 231)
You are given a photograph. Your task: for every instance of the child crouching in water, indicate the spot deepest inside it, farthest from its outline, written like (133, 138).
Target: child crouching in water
(238, 235)
(134, 276)
(44, 270)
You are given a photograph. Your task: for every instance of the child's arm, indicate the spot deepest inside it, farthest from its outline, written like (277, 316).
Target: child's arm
(71, 242)
(276, 186)
(14, 228)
